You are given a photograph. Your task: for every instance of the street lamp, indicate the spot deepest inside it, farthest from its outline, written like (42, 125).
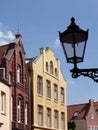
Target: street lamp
(73, 42)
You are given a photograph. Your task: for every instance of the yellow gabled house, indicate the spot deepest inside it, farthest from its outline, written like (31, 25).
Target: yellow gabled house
(48, 97)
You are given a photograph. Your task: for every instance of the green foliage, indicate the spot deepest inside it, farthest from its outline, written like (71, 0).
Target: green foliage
(71, 125)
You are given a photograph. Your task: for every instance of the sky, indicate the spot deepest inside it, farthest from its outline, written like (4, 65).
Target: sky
(39, 21)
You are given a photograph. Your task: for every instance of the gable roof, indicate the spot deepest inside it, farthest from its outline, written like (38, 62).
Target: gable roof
(77, 112)
(6, 51)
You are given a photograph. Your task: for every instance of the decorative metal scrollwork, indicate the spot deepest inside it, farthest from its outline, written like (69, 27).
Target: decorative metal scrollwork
(91, 73)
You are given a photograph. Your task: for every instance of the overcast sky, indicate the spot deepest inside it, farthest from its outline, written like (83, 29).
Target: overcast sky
(39, 22)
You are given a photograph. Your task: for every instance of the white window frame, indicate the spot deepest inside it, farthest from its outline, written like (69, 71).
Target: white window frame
(3, 102)
(18, 73)
(19, 110)
(26, 113)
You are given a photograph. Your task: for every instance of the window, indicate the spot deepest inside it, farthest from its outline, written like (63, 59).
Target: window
(18, 73)
(62, 120)
(40, 115)
(9, 78)
(48, 88)
(56, 119)
(48, 117)
(47, 66)
(62, 95)
(2, 72)
(76, 114)
(55, 92)
(56, 72)
(51, 67)
(40, 85)
(92, 115)
(3, 102)
(26, 113)
(19, 110)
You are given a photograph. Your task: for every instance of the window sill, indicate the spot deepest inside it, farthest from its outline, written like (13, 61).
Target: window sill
(2, 113)
(56, 101)
(49, 98)
(40, 95)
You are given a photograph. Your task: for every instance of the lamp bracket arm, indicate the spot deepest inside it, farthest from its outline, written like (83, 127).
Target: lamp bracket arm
(91, 73)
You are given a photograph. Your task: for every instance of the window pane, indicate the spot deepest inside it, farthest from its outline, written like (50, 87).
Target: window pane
(40, 115)
(3, 102)
(19, 110)
(40, 85)
(62, 120)
(26, 113)
(56, 119)
(51, 67)
(48, 117)
(62, 95)
(55, 92)
(48, 88)
(18, 73)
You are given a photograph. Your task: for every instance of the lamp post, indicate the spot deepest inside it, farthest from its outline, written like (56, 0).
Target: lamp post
(73, 41)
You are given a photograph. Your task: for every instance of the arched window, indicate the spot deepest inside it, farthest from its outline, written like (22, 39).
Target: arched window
(18, 73)
(51, 67)
(47, 66)
(56, 72)
(19, 109)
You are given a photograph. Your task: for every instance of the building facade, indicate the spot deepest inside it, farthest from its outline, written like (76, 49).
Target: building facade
(13, 69)
(5, 105)
(84, 115)
(49, 109)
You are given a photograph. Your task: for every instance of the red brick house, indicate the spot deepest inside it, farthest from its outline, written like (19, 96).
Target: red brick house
(84, 115)
(13, 69)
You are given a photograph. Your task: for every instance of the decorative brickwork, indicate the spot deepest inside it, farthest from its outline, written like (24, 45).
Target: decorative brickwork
(12, 59)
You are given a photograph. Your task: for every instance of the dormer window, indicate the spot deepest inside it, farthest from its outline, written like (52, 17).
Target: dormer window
(76, 114)
(51, 67)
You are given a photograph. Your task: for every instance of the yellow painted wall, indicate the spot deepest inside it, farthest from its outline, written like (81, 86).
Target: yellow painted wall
(38, 68)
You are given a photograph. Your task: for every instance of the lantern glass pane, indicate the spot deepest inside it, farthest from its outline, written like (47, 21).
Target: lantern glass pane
(74, 52)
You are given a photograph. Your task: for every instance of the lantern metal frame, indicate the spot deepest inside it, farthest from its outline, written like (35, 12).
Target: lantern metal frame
(81, 35)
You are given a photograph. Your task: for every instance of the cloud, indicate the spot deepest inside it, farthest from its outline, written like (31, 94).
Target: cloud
(57, 42)
(6, 36)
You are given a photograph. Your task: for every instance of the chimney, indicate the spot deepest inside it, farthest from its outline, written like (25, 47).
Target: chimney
(18, 35)
(91, 102)
(42, 51)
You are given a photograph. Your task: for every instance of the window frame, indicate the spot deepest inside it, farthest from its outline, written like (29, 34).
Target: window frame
(62, 120)
(55, 92)
(48, 117)
(3, 102)
(51, 67)
(19, 102)
(48, 88)
(40, 85)
(56, 119)
(62, 95)
(18, 73)
(40, 115)
(26, 113)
